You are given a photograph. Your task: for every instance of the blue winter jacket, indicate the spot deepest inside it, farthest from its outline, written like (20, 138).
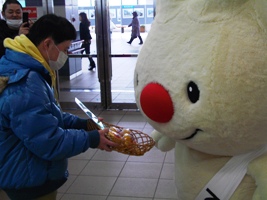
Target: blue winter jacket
(36, 137)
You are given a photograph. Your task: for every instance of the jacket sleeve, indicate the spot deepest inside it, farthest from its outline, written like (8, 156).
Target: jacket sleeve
(39, 123)
(74, 122)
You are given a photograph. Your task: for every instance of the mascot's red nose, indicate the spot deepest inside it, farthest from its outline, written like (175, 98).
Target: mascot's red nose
(156, 103)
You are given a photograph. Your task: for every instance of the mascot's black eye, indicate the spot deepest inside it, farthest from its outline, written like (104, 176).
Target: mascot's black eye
(193, 92)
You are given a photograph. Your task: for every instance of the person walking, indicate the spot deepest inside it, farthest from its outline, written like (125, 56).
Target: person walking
(112, 26)
(86, 36)
(12, 25)
(36, 136)
(135, 28)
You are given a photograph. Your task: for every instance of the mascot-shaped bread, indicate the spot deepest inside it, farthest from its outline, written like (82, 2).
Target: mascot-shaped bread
(201, 82)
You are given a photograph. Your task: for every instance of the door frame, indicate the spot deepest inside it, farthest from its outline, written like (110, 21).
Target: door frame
(104, 57)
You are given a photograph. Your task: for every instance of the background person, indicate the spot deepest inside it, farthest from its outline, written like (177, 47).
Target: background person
(86, 36)
(135, 28)
(36, 137)
(112, 26)
(12, 25)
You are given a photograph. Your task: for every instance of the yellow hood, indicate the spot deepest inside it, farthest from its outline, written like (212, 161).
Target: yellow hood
(24, 45)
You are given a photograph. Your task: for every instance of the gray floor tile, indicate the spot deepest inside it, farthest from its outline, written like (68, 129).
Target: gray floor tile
(166, 189)
(93, 185)
(76, 166)
(103, 168)
(133, 118)
(141, 170)
(127, 198)
(134, 187)
(170, 156)
(148, 131)
(149, 126)
(167, 171)
(154, 155)
(82, 197)
(66, 186)
(87, 155)
(110, 156)
(111, 119)
(59, 196)
(132, 125)
(166, 199)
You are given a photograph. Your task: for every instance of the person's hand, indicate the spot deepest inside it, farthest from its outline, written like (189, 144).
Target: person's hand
(105, 144)
(25, 27)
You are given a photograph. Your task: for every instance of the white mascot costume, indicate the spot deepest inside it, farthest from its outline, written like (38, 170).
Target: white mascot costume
(201, 82)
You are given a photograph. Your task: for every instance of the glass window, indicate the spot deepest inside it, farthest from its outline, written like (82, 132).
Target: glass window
(145, 2)
(22, 2)
(129, 2)
(83, 3)
(115, 3)
(1, 4)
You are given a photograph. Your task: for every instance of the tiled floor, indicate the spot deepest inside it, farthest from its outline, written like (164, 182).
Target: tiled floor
(100, 175)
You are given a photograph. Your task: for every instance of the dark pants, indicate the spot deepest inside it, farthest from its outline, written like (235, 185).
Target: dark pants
(86, 47)
(132, 38)
(48, 188)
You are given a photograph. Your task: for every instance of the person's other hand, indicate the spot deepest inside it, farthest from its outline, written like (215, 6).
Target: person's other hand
(100, 119)
(105, 144)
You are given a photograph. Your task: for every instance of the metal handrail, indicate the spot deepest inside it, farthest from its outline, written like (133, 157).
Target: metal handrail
(75, 51)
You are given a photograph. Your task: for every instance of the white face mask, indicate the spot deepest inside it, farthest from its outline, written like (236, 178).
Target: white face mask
(61, 59)
(14, 23)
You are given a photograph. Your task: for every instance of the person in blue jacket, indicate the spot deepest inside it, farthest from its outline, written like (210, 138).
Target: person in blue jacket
(36, 136)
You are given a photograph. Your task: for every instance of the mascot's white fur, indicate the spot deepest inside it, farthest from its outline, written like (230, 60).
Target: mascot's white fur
(201, 82)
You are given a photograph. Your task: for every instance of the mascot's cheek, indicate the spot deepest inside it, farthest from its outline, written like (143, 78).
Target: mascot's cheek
(156, 103)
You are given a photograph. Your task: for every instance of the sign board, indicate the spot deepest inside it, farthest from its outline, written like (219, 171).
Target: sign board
(32, 12)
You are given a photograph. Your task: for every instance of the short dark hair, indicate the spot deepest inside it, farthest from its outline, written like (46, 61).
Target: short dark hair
(7, 2)
(135, 13)
(51, 25)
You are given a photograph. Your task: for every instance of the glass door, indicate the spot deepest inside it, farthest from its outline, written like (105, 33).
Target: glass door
(123, 54)
(110, 85)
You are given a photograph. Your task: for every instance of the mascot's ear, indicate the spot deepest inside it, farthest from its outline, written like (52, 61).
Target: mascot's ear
(167, 9)
(261, 9)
